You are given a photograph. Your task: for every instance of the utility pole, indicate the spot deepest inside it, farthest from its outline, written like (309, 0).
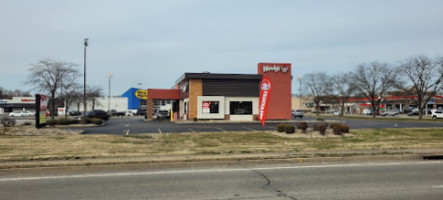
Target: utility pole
(299, 80)
(84, 78)
(109, 99)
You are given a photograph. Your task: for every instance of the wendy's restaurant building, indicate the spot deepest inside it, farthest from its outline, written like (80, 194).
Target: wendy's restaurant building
(234, 97)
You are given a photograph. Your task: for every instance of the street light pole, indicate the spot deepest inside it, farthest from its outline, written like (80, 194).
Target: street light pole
(299, 80)
(109, 99)
(84, 78)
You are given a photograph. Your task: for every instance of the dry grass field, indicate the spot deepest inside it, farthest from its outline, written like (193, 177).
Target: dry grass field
(25, 143)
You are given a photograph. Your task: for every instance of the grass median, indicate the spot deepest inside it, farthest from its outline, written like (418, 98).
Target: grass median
(77, 146)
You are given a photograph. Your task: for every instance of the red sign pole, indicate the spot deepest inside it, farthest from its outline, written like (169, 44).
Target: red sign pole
(265, 94)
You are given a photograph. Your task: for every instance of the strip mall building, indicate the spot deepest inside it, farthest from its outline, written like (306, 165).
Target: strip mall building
(208, 96)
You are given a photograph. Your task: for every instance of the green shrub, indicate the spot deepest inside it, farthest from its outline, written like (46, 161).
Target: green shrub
(281, 127)
(8, 122)
(51, 122)
(97, 121)
(345, 128)
(320, 119)
(73, 121)
(85, 121)
(334, 124)
(289, 129)
(302, 126)
(63, 121)
(337, 129)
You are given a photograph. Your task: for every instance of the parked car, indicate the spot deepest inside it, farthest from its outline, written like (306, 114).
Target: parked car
(141, 111)
(129, 113)
(415, 112)
(297, 113)
(367, 111)
(101, 114)
(336, 112)
(74, 113)
(21, 113)
(436, 114)
(160, 114)
(115, 113)
(389, 113)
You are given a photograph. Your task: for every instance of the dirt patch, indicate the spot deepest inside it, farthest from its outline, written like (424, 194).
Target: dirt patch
(31, 131)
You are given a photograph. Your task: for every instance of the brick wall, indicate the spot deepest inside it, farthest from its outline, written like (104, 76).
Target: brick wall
(195, 90)
(149, 110)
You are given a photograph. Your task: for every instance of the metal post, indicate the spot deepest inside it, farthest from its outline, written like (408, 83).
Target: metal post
(109, 99)
(84, 78)
(299, 80)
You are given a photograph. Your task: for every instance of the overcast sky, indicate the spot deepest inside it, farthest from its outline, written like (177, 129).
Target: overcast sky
(155, 42)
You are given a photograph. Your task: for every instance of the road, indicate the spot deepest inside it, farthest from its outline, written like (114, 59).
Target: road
(137, 125)
(400, 180)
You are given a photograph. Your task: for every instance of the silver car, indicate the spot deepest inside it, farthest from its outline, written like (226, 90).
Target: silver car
(297, 113)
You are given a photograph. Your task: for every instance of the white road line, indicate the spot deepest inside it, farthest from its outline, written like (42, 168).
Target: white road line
(437, 186)
(159, 130)
(215, 170)
(249, 129)
(221, 129)
(192, 130)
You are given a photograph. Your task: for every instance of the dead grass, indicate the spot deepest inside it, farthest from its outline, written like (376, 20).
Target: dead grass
(50, 146)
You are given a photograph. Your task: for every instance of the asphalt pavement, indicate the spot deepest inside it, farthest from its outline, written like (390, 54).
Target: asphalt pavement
(357, 180)
(137, 125)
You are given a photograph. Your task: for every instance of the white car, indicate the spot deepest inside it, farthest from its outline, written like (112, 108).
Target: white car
(20, 113)
(129, 113)
(297, 113)
(437, 114)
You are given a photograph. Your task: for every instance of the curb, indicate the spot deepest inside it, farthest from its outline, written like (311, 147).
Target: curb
(200, 159)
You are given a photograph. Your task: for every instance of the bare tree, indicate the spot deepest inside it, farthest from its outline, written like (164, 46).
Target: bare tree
(71, 93)
(46, 76)
(420, 77)
(342, 89)
(92, 94)
(373, 82)
(8, 94)
(317, 85)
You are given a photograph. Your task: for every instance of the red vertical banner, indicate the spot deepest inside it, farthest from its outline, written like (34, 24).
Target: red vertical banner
(265, 94)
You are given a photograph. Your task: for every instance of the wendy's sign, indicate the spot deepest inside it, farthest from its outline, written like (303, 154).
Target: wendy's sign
(41, 103)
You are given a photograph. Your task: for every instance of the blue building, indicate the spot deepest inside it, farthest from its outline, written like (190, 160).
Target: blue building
(134, 103)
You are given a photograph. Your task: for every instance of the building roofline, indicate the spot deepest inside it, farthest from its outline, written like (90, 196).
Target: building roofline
(218, 76)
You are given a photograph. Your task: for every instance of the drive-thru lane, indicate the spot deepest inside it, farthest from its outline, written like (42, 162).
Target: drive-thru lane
(137, 125)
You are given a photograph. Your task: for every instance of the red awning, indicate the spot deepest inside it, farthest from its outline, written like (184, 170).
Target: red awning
(163, 94)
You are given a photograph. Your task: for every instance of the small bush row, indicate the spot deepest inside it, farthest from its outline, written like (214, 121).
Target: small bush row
(7, 122)
(287, 128)
(337, 128)
(63, 121)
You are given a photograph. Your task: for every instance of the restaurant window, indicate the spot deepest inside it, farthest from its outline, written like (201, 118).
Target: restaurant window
(240, 107)
(210, 107)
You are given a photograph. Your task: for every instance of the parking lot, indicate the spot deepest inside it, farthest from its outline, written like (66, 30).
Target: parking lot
(137, 125)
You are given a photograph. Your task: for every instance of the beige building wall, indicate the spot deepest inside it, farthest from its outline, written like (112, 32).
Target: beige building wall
(295, 100)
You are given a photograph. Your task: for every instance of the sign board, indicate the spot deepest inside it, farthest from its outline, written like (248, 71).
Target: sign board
(141, 94)
(40, 110)
(275, 68)
(206, 107)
